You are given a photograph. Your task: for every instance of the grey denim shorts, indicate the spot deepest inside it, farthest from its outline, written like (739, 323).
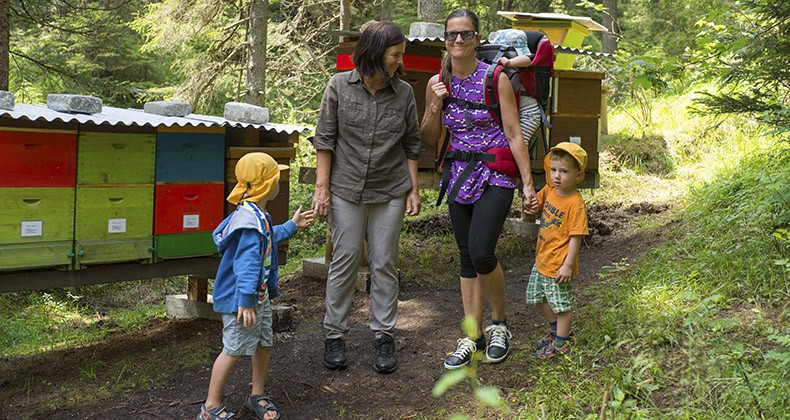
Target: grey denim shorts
(240, 341)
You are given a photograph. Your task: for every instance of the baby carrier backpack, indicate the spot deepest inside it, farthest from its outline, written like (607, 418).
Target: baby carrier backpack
(534, 81)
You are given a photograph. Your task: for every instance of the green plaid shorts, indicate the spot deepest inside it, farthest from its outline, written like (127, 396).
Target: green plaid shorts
(545, 289)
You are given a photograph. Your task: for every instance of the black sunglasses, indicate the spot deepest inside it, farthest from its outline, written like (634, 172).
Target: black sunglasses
(465, 35)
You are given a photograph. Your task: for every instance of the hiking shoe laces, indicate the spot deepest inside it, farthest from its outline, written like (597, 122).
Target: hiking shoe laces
(498, 343)
(462, 355)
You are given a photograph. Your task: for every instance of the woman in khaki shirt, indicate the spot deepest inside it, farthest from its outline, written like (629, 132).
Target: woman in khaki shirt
(367, 142)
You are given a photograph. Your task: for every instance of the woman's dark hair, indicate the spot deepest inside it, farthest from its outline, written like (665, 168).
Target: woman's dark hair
(447, 68)
(368, 55)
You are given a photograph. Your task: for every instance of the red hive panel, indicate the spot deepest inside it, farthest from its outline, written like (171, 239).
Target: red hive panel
(38, 159)
(183, 208)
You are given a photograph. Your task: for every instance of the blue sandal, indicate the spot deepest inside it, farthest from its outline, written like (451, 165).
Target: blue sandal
(253, 403)
(214, 413)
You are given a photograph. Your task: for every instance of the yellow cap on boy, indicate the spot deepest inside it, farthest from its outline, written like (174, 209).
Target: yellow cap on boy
(257, 173)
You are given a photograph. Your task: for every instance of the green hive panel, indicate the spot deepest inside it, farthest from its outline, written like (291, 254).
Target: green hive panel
(111, 251)
(36, 255)
(115, 158)
(114, 212)
(36, 215)
(180, 245)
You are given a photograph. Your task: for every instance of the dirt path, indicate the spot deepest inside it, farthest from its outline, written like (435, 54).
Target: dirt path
(301, 386)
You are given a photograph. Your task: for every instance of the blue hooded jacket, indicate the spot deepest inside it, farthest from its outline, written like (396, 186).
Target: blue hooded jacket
(240, 239)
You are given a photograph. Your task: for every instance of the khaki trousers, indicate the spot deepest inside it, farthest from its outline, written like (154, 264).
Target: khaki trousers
(350, 224)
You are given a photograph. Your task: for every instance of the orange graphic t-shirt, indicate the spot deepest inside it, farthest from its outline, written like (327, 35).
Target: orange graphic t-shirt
(560, 218)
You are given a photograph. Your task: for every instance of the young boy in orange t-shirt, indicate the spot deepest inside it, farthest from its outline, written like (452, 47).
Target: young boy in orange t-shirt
(563, 222)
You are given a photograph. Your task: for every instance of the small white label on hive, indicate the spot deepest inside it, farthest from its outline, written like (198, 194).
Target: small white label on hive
(116, 226)
(32, 228)
(577, 140)
(191, 221)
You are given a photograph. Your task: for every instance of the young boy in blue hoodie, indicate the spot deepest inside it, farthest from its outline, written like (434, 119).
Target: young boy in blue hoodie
(246, 280)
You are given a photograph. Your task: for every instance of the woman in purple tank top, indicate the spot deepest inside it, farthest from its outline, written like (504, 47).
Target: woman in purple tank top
(479, 198)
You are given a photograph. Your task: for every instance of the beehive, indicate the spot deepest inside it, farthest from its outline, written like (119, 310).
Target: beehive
(37, 197)
(188, 198)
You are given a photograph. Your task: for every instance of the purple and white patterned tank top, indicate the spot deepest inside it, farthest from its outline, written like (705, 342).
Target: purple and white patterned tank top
(485, 133)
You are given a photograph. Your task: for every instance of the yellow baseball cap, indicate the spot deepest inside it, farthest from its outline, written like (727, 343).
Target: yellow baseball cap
(257, 173)
(573, 149)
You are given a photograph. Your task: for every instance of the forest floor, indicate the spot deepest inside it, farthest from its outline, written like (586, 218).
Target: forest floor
(175, 356)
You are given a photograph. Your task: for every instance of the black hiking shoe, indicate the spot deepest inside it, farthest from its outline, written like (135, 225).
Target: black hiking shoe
(335, 353)
(385, 354)
(498, 343)
(464, 352)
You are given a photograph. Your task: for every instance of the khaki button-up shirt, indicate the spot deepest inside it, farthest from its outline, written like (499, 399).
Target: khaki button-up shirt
(370, 137)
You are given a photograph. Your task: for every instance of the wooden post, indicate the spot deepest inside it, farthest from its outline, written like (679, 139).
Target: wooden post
(197, 288)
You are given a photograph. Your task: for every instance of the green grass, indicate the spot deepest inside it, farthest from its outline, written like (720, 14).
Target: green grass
(34, 322)
(699, 327)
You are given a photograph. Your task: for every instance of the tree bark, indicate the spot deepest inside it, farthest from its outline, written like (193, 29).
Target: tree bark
(256, 53)
(345, 15)
(430, 10)
(386, 10)
(5, 40)
(609, 39)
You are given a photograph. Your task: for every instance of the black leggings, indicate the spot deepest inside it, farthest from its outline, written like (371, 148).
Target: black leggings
(480, 224)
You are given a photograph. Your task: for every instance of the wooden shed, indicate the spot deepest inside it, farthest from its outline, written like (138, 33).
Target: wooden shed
(121, 194)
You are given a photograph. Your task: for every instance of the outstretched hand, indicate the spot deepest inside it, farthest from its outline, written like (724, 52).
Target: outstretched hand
(303, 219)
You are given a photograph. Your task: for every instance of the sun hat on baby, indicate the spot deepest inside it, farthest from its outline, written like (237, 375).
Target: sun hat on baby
(257, 174)
(513, 37)
(573, 149)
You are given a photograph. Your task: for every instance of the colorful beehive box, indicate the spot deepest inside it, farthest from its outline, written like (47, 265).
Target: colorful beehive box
(113, 223)
(189, 193)
(115, 158)
(36, 227)
(114, 210)
(37, 158)
(184, 217)
(190, 156)
(575, 116)
(37, 197)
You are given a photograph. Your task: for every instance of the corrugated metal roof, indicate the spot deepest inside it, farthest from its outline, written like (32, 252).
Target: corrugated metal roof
(136, 117)
(569, 50)
(422, 39)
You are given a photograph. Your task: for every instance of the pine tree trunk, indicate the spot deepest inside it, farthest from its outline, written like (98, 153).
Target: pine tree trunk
(430, 10)
(256, 53)
(345, 15)
(609, 39)
(386, 10)
(5, 39)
